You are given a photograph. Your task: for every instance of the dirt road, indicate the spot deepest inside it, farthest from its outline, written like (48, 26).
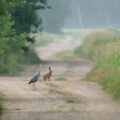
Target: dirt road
(65, 97)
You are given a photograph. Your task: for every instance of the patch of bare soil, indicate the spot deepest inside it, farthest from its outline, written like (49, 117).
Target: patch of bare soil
(51, 100)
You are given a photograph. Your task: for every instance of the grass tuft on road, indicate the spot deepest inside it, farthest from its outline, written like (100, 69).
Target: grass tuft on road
(61, 79)
(57, 92)
(72, 100)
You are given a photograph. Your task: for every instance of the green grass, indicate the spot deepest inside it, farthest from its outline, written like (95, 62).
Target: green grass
(11, 64)
(71, 100)
(52, 85)
(1, 108)
(109, 80)
(73, 110)
(1, 104)
(29, 57)
(94, 43)
(61, 79)
(57, 92)
(104, 48)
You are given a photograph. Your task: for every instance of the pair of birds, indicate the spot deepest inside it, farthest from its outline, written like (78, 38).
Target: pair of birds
(35, 78)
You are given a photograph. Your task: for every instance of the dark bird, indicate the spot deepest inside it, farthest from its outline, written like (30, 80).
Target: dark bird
(35, 79)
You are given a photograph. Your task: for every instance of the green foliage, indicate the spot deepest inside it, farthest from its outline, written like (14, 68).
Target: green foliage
(94, 42)
(5, 3)
(61, 79)
(72, 100)
(9, 40)
(29, 57)
(1, 108)
(1, 105)
(13, 39)
(3, 7)
(108, 78)
(10, 45)
(103, 48)
(26, 18)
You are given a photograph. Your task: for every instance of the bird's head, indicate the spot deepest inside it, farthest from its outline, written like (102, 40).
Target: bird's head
(39, 68)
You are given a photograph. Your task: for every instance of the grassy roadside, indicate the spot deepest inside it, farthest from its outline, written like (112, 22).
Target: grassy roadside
(11, 65)
(104, 48)
(1, 104)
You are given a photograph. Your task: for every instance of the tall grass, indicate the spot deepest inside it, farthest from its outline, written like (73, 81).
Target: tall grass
(94, 42)
(29, 57)
(10, 64)
(104, 48)
(1, 105)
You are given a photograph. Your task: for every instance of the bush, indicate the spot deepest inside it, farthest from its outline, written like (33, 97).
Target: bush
(11, 64)
(29, 57)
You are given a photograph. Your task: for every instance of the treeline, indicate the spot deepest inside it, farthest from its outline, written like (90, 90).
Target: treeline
(18, 18)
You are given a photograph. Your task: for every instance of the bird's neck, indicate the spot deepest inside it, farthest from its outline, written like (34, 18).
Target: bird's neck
(39, 71)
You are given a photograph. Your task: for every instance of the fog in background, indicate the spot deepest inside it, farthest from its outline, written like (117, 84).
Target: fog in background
(81, 14)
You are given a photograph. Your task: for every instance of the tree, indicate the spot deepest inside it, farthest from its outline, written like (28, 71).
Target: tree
(10, 44)
(3, 7)
(5, 3)
(9, 41)
(26, 18)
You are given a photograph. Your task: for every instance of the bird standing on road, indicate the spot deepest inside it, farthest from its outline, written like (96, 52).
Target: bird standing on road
(35, 79)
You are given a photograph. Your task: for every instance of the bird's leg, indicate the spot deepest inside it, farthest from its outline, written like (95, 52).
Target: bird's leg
(35, 87)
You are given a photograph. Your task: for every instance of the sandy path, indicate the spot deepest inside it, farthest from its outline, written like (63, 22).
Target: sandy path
(49, 102)
(48, 53)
